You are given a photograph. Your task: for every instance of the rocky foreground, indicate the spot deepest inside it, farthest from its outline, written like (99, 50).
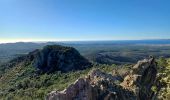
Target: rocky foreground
(97, 85)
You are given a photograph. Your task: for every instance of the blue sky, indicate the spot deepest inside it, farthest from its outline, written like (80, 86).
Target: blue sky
(84, 19)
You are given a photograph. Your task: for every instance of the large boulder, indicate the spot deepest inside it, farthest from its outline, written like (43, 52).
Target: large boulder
(59, 58)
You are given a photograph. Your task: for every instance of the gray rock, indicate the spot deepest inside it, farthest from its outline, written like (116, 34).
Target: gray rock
(96, 86)
(142, 78)
(101, 86)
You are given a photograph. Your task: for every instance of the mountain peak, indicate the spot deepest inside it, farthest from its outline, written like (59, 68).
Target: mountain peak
(59, 58)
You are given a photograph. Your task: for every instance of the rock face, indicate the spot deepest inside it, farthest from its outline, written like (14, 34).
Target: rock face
(59, 58)
(142, 78)
(101, 86)
(96, 86)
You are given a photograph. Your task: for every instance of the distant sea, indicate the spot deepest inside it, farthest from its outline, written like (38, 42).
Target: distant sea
(101, 42)
(154, 42)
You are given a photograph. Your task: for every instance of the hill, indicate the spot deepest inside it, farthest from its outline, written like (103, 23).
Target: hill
(59, 58)
(34, 71)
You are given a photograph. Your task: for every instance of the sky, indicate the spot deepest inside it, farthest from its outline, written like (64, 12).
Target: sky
(74, 20)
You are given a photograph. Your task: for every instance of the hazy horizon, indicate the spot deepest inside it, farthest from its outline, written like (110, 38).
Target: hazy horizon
(45, 41)
(58, 40)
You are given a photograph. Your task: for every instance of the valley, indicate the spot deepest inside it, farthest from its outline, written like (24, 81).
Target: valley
(111, 52)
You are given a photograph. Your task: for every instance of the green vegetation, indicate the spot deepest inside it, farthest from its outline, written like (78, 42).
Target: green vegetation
(21, 82)
(164, 79)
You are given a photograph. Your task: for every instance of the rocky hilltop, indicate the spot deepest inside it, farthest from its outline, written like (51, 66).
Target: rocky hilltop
(60, 58)
(51, 58)
(101, 86)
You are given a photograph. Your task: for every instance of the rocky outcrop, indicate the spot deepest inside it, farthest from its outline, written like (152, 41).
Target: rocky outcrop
(59, 58)
(142, 78)
(96, 86)
(101, 86)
